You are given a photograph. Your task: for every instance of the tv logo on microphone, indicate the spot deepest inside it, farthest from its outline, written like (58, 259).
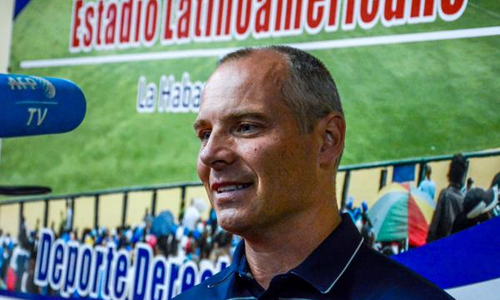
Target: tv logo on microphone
(32, 105)
(34, 113)
(33, 82)
(23, 83)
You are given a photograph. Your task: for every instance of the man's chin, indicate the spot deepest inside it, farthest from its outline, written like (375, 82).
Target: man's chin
(233, 223)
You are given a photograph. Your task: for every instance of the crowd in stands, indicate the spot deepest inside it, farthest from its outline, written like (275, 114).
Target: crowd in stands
(462, 206)
(458, 207)
(191, 239)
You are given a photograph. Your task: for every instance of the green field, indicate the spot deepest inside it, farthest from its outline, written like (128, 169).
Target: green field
(401, 101)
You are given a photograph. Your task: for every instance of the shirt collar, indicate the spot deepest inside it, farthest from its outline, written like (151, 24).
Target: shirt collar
(334, 254)
(227, 282)
(240, 260)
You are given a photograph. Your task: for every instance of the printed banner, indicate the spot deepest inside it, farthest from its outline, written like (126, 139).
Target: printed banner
(415, 78)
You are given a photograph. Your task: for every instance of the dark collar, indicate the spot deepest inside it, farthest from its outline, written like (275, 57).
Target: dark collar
(334, 255)
(326, 264)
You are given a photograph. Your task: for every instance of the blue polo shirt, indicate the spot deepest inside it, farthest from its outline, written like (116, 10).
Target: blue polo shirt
(342, 267)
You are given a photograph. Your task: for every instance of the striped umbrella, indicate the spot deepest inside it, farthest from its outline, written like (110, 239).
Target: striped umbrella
(402, 212)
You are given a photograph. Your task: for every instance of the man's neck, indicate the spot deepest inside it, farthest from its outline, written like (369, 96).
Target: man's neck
(282, 249)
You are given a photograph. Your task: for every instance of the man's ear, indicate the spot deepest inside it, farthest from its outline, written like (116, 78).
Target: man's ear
(332, 132)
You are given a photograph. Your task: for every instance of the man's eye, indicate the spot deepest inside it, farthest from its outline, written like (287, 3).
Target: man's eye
(246, 128)
(204, 135)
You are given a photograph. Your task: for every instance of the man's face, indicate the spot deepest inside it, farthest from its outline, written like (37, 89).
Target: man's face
(257, 168)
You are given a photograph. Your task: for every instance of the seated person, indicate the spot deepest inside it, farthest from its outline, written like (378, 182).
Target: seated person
(477, 205)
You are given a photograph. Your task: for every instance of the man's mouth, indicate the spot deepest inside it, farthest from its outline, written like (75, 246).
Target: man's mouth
(231, 187)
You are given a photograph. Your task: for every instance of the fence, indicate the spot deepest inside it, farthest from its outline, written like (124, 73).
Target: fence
(115, 207)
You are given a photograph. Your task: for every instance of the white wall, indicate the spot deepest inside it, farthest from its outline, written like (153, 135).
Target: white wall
(6, 22)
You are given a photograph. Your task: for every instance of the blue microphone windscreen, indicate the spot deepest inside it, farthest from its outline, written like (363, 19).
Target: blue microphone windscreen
(31, 105)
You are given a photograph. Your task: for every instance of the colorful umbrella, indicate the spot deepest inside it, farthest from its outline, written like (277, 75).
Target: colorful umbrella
(402, 212)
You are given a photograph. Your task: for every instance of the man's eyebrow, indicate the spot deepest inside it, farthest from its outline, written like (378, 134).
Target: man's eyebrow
(235, 116)
(198, 123)
(246, 114)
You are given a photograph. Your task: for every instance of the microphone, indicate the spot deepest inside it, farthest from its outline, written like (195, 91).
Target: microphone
(31, 105)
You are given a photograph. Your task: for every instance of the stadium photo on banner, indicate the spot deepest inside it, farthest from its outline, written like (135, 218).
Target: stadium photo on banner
(249, 149)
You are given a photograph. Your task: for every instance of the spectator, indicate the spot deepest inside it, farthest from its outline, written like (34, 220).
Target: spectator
(222, 245)
(212, 221)
(367, 231)
(496, 182)
(19, 260)
(68, 226)
(450, 201)
(470, 183)
(193, 213)
(427, 185)
(162, 246)
(477, 205)
(29, 285)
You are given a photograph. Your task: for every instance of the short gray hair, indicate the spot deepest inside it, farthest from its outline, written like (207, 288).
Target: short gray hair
(310, 91)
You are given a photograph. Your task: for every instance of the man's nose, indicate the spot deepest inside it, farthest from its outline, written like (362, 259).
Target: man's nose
(218, 151)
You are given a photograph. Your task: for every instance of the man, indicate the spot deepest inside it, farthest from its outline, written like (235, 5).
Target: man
(496, 183)
(272, 133)
(193, 213)
(427, 185)
(477, 206)
(450, 201)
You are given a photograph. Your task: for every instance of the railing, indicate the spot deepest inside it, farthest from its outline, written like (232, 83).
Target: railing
(419, 162)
